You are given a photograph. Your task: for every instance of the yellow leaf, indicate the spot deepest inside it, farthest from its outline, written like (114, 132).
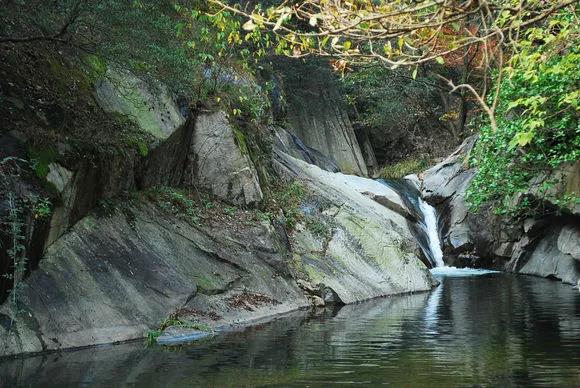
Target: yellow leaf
(249, 26)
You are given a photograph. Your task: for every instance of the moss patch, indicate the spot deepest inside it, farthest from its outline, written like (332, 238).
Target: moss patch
(41, 157)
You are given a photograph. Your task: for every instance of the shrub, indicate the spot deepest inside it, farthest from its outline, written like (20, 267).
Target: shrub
(537, 122)
(403, 168)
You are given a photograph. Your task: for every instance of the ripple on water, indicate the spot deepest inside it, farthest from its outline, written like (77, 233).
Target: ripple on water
(470, 331)
(454, 271)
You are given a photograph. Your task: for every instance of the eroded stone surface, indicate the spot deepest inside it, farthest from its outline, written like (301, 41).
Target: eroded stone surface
(220, 165)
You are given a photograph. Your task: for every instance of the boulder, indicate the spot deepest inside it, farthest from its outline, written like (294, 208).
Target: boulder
(113, 278)
(547, 259)
(569, 241)
(220, 162)
(444, 187)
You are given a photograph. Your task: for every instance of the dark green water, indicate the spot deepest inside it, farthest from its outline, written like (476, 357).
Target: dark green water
(493, 330)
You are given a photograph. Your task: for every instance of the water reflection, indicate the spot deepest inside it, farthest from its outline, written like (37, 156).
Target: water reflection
(495, 330)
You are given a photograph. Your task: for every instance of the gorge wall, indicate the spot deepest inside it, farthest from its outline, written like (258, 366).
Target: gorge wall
(546, 244)
(180, 229)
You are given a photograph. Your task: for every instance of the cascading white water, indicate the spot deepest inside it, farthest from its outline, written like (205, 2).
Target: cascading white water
(397, 191)
(430, 220)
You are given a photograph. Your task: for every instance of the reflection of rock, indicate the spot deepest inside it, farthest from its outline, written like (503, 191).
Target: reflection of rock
(178, 335)
(524, 316)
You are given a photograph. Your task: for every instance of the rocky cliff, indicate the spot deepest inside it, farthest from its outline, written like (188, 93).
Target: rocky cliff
(316, 112)
(545, 245)
(182, 231)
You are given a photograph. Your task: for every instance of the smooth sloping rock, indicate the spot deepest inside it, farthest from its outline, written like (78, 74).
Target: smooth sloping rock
(220, 165)
(368, 250)
(151, 107)
(111, 279)
(293, 146)
(179, 335)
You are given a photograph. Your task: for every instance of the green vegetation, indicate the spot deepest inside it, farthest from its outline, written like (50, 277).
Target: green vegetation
(537, 125)
(403, 168)
(288, 197)
(395, 102)
(41, 157)
(177, 202)
(41, 207)
(317, 227)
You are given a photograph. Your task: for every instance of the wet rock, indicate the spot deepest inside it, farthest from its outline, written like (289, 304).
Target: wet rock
(368, 249)
(444, 187)
(547, 260)
(180, 335)
(316, 301)
(329, 296)
(392, 205)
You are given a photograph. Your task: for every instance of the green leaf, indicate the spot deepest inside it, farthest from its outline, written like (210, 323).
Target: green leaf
(440, 60)
(388, 49)
(522, 139)
(414, 75)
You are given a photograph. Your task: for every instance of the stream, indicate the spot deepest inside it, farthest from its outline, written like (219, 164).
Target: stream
(477, 328)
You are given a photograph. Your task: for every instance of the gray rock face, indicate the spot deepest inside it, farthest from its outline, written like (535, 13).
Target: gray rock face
(365, 250)
(569, 241)
(111, 280)
(152, 108)
(547, 246)
(293, 146)
(220, 165)
(444, 186)
(548, 260)
(317, 114)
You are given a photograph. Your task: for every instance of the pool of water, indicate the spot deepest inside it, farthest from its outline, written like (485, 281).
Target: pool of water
(487, 330)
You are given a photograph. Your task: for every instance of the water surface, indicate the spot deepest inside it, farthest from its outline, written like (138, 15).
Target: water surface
(488, 330)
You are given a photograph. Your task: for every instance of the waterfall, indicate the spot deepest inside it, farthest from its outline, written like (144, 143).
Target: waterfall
(432, 233)
(425, 229)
